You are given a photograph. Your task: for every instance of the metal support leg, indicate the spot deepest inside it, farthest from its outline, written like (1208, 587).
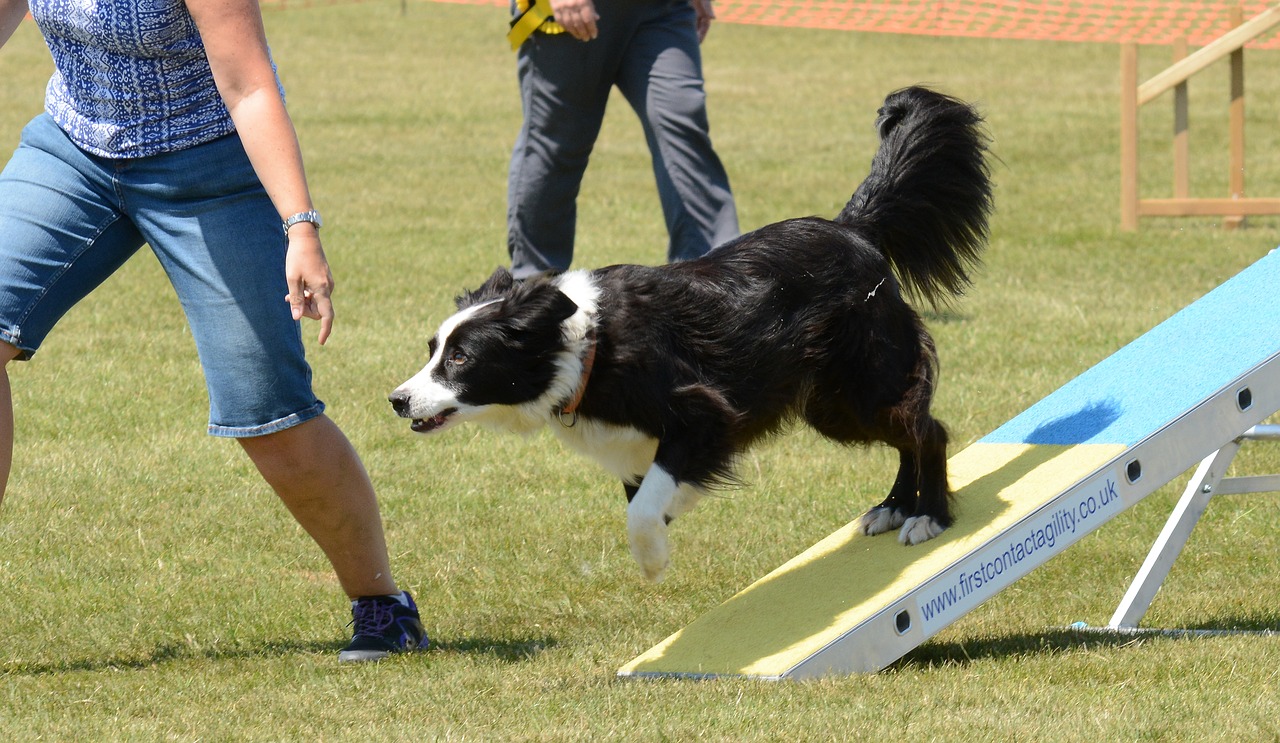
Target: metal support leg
(1207, 482)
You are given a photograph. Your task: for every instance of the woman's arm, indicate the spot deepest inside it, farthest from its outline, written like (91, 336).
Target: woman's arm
(236, 45)
(704, 14)
(11, 14)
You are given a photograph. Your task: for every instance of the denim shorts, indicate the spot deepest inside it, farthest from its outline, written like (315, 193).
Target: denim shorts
(68, 219)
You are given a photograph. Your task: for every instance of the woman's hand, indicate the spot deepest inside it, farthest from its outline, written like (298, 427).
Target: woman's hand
(578, 17)
(309, 278)
(705, 14)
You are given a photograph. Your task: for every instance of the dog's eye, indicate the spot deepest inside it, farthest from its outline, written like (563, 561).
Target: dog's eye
(457, 357)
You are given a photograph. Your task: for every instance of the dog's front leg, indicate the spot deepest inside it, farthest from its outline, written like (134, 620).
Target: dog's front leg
(648, 514)
(676, 479)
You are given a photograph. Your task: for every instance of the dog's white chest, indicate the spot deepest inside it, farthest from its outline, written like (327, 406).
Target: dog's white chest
(622, 451)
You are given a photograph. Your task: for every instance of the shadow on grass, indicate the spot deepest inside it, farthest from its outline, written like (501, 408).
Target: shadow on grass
(1069, 639)
(164, 654)
(960, 653)
(505, 651)
(1268, 623)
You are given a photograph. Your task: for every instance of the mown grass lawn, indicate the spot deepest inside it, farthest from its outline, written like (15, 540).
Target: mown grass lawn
(151, 588)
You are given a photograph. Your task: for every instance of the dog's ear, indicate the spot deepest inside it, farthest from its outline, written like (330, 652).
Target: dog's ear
(562, 308)
(541, 298)
(497, 285)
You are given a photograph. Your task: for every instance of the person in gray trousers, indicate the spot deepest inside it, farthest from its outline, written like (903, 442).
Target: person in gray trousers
(650, 50)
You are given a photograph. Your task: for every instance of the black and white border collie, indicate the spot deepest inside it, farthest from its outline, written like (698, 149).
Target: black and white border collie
(665, 374)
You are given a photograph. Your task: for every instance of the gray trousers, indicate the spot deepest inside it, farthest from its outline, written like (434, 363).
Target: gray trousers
(649, 49)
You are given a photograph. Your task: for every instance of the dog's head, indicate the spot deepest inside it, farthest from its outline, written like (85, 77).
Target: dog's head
(504, 354)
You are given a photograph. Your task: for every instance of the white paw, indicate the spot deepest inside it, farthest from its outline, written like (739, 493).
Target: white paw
(919, 529)
(648, 537)
(880, 520)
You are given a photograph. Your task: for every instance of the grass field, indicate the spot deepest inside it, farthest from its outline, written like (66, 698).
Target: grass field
(151, 588)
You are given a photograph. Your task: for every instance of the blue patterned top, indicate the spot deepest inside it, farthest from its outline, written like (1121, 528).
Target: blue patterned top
(131, 76)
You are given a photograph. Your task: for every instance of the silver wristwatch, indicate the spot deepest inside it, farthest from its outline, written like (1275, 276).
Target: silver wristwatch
(311, 215)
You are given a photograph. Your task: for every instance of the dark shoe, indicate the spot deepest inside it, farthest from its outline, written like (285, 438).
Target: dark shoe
(383, 625)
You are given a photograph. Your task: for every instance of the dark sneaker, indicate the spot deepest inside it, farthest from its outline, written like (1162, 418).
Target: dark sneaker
(383, 625)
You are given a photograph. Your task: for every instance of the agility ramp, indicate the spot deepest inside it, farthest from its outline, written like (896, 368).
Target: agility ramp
(1026, 492)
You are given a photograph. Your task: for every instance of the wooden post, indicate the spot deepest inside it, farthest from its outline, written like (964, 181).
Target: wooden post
(1181, 129)
(1129, 137)
(1236, 123)
(1233, 208)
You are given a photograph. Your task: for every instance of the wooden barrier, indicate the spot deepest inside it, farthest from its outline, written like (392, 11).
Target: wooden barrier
(1235, 206)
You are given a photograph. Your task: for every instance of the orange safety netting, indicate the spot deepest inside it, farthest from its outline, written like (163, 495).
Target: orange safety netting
(1070, 20)
(1150, 22)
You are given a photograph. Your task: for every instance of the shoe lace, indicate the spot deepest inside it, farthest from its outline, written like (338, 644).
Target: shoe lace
(372, 617)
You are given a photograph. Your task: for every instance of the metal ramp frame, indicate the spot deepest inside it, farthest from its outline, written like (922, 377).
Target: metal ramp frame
(1208, 481)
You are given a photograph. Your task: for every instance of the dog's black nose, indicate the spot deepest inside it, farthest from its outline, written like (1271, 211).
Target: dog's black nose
(399, 402)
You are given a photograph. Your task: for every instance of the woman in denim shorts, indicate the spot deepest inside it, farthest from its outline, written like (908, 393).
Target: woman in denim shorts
(165, 125)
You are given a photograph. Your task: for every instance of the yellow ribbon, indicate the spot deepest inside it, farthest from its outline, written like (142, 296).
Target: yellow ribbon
(534, 16)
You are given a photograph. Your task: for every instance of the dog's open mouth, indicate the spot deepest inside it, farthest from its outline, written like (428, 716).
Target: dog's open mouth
(427, 425)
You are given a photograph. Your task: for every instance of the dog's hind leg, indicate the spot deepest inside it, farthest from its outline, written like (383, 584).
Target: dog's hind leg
(834, 418)
(933, 508)
(899, 504)
(919, 502)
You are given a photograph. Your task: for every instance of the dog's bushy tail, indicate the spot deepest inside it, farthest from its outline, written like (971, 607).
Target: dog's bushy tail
(927, 198)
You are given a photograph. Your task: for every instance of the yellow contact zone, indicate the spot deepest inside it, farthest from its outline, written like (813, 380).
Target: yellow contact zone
(818, 596)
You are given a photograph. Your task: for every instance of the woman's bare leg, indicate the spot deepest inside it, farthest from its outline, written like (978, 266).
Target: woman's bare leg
(317, 473)
(7, 353)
